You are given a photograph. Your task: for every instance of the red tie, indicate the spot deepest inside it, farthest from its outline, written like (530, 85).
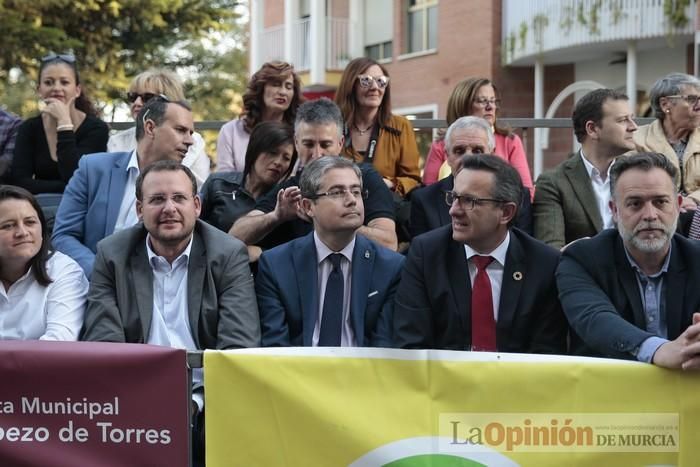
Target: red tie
(483, 324)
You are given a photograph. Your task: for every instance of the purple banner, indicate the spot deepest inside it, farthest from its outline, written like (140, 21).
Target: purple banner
(84, 403)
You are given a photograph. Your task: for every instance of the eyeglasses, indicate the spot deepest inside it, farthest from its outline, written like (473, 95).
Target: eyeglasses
(691, 99)
(157, 97)
(467, 202)
(366, 81)
(340, 193)
(483, 102)
(145, 96)
(68, 58)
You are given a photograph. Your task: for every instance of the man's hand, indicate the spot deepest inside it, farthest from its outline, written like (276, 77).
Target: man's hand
(684, 351)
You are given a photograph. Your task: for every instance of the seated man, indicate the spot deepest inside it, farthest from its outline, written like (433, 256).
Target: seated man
(632, 292)
(478, 284)
(332, 287)
(100, 199)
(277, 217)
(467, 135)
(571, 200)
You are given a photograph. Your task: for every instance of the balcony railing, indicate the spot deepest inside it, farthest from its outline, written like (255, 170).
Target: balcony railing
(337, 44)
(536, 27)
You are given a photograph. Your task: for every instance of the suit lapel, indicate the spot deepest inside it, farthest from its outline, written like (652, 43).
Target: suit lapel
(306, 266)
(196, 269)
(674, 284)
(142, 282)
(117, 185)
(511, 287)
(362, 263)
(575, 172)
(460, 285)
(628, 280)
(443, 209)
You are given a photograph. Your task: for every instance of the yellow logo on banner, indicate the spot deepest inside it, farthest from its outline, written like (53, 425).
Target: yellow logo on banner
(316, 407)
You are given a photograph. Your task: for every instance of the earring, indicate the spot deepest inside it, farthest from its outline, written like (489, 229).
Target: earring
(667, 111)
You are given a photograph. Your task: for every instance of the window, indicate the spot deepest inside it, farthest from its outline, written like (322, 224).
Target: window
(422, 25)
(379, 51)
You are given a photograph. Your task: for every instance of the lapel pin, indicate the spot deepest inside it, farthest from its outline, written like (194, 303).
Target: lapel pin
(367, 254)
(518, 276)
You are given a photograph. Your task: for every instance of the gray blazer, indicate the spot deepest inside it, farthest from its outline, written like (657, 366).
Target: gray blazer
(565, 208)
(223, 311)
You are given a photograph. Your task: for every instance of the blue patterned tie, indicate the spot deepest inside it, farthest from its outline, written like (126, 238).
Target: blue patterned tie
(332, 319)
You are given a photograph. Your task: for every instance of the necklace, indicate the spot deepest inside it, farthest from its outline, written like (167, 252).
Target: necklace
(362, 132)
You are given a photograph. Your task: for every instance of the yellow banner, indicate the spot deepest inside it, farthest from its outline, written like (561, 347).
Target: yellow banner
(397, 408)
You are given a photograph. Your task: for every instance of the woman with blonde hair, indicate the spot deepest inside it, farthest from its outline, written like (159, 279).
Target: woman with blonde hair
(144, 87)
(478, 97)
(273, 94)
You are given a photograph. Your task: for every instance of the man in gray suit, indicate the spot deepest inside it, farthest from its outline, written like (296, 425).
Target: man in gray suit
(572, 200)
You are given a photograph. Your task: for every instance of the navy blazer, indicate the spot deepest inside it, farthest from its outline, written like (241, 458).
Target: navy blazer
(288, 298)
(90, 206)
(600, 294)
(430, 211)
(434, 298)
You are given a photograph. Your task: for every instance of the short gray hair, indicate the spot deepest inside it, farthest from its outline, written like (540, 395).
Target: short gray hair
(471, 122)
(311, 177)
(321, 111)
(643, 161)
(669, 85)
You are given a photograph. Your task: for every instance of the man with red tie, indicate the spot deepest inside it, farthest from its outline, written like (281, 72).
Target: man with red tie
(479, 283)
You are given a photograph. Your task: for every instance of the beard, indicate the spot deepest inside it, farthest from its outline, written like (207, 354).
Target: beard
(648, 245)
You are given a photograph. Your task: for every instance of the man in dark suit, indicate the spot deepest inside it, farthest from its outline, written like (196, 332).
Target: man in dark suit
(467, 135)
(571, 200)
(632, 293)
(332, 287)
(478, 283)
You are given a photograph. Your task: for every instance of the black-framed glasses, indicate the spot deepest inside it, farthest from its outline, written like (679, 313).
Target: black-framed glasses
(340, 193)
(366, 81)
(691, 99)
(68, 58)
(484, 101)
(145, 96)
(468, 202)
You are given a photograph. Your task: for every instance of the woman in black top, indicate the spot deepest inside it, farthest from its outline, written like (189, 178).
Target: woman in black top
(49, 146)
(269, 158)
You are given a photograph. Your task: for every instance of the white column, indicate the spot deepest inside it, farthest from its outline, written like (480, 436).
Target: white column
(632, 74)
(318, 42)
(291, 15)
(539, 113)
(257, 18)
(356, 33)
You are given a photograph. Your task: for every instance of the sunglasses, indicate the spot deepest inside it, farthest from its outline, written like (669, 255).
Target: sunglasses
(68, 58)
(145, 96)
(366, 81)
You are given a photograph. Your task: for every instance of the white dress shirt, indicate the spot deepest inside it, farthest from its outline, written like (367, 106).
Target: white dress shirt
(196, 158)
(324, 268)
(30, 311)
(601, 190)
(127, 209)
(493, 270)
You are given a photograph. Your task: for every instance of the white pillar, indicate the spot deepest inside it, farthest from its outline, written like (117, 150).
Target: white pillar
(539, 113)
(356, 32)
(632, 74)
(291, 16)
(257, 24)
(318, 42)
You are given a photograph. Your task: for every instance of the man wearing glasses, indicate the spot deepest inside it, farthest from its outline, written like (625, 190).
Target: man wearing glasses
(478, 284)
(100, 198)
(332, 287)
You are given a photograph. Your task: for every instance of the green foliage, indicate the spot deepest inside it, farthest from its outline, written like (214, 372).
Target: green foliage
(674, 10)
(114, 40)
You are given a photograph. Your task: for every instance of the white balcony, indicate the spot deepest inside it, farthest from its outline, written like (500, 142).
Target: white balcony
(336, 45)
(555, 29)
